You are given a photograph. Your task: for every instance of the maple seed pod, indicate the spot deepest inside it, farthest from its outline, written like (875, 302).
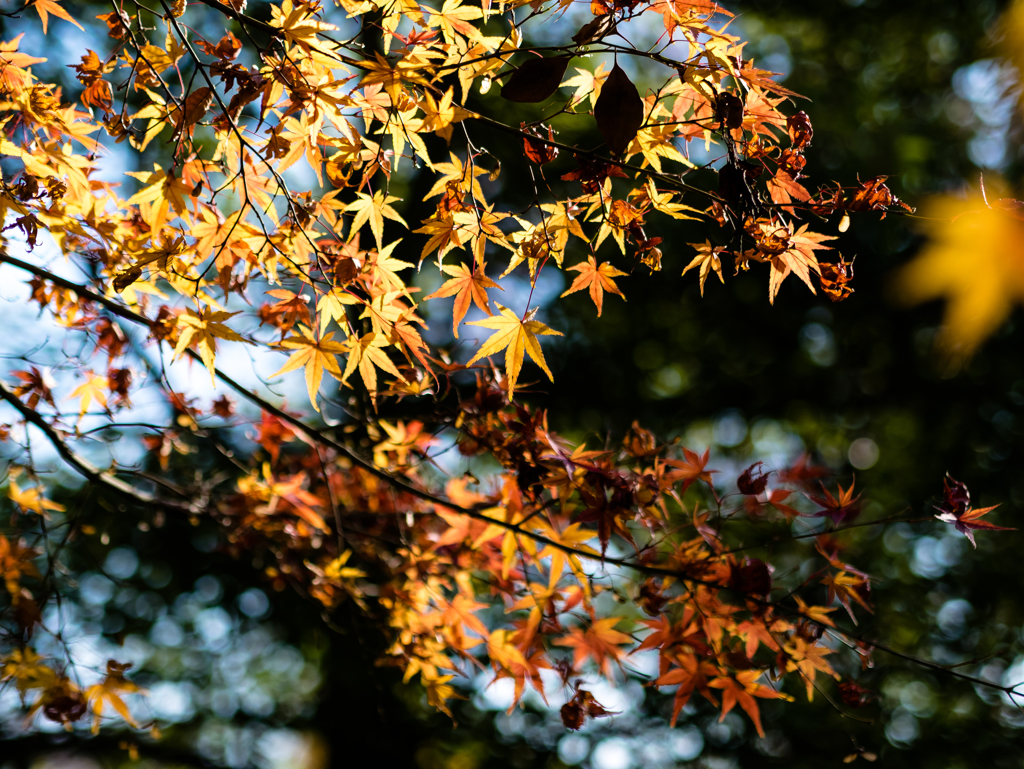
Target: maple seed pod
(619, 111)
(535, 80)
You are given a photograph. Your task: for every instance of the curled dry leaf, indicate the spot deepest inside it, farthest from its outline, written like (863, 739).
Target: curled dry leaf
(539, 150)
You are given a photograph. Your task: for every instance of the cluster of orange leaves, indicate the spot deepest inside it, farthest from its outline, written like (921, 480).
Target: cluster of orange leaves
(517, 574)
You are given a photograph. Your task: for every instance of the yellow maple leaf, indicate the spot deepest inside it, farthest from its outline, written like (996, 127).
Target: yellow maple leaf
(92, 389)
(32, 499)
(332, 307)
(205, 329)
(163, 191)
(708, 260)
(516, 336)
(337, 569)
(299, 24)
(454, 18)
(366, 355)
(373, 210)
(26, 669)
(974, 259)
(109, 691)
(587, 84)
(440, 116)
(315, 355)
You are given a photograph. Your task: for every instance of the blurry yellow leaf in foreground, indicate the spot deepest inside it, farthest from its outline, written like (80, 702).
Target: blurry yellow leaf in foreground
(974, 259)
(1011, 25)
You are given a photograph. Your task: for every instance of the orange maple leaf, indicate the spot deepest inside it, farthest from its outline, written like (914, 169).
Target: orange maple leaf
(46, 7)
(691, 469)
(596, 277)
(466, 287)
(601, 642)
(742, 690)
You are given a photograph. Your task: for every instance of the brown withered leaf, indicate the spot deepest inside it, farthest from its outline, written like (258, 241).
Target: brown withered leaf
(800, 130)
(592, 173)
(854, 695)
(535, 80)
(539, 151)
(835, 279)
(619, 111)
(195, 108)
(226, 49)
(753, 480)
(582, 705)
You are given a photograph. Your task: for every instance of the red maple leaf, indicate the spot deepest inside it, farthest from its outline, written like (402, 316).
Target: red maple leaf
(956, 509)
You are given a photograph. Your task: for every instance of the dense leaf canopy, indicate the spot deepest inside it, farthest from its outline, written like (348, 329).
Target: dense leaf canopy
(569, 459)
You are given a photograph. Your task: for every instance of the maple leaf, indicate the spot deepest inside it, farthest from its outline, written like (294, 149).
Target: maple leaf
(753, 480)
(816, 613)
(46, 7)
(204, 329)
(742, 690)
(516, 336)
(501, 650)
(331, 306)
(838, 509)
(956, 509)
(786, 251)
(445, 234)
(298, 23)
(315, 355)
(587, 84)
(16, 559)
(600, 642)
(454, 17)
(692, 676)
(28, 499)
(26, 669)
(708, 260)
(441, 116)
(691, 469)
(12, 74)
(777, 499)
(337, 569)
(402, 440)
(109, 691)
(583, 704)
(366, 355)
(467, 287)
(94, 388)
(596, 277)
(287, 311)
(383, 267)
(758, 631)
(809, 659)
(843, 586)
(37, 385)
(374, 210)
(163, 191)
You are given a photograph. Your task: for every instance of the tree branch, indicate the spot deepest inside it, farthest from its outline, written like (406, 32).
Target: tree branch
(83, 465)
